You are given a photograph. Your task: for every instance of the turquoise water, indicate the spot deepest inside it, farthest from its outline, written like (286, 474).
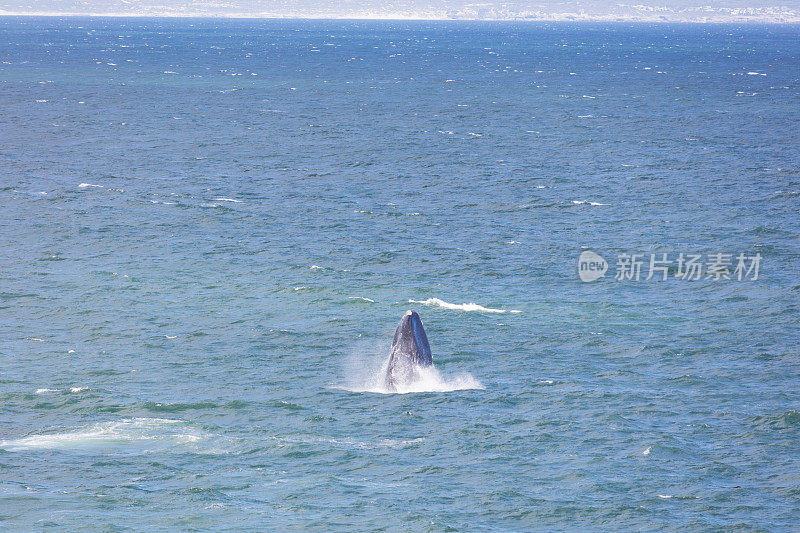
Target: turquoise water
(210, 230)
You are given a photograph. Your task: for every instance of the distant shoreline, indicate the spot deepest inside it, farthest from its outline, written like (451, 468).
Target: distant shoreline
(555, 18)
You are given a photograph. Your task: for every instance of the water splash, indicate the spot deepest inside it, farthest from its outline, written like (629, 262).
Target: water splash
(365, 371)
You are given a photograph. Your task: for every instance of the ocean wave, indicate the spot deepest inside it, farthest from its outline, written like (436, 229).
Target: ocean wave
(579, 202)
(787, 420)
(87, 185)
(139, 432)
(177, 407)
(462, 307)
(71, 389)
(223, 199)
(344, 442)
(361, 298)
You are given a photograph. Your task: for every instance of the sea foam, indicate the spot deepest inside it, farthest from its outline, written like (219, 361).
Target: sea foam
(128, 432)
(223, 199)
(579, 202)
(462, 307)
(361, 298)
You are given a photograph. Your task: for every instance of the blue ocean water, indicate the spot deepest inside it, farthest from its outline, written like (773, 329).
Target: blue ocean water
(210, 229)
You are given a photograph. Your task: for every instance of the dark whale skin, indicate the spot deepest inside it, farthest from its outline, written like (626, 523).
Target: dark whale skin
(410, 350)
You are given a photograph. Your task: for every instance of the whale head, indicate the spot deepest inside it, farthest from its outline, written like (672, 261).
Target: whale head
(410, 350)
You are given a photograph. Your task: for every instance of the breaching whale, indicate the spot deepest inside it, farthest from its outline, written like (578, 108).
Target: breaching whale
(410, 350)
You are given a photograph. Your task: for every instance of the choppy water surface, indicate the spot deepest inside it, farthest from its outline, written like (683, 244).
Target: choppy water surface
(210, 230)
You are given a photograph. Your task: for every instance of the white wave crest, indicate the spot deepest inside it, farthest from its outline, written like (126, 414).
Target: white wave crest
(579, 202)
(462, 307)
(87, 185)
(140, 432)
(223, 199)
(361, 298)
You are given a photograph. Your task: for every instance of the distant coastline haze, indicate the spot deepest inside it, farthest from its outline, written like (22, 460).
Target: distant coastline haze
(732, 11)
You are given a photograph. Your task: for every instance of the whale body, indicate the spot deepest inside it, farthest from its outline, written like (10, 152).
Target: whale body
(410, 351)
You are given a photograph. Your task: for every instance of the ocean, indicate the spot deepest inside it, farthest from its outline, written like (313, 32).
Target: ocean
(210, 229)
